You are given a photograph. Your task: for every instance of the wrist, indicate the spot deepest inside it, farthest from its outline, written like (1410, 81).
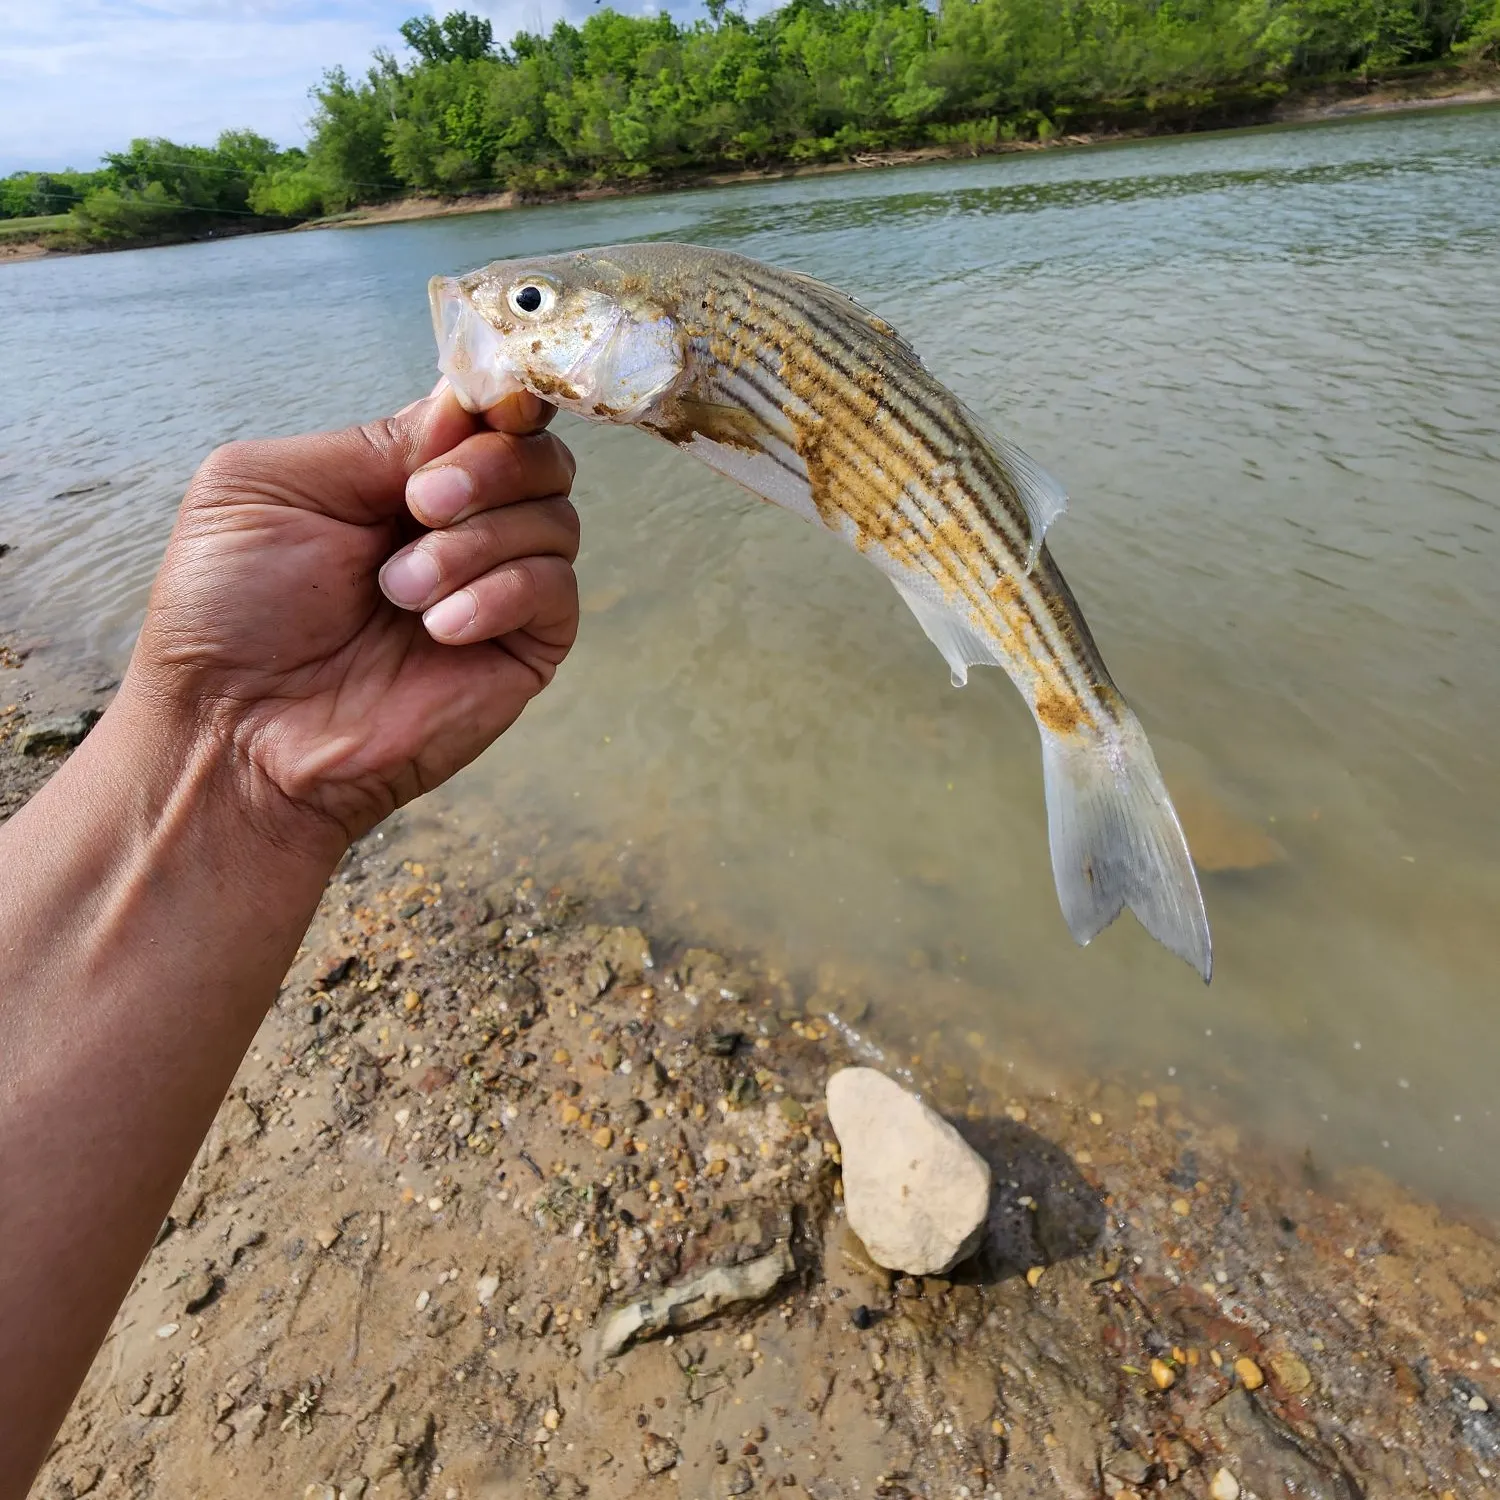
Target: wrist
(187, 775)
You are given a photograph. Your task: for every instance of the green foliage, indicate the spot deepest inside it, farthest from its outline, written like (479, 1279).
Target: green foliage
(25, 195)
(1480, 32)
(622, 96)
(458, 37)
(112, 213)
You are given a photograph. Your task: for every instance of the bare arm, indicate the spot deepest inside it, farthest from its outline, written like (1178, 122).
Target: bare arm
(154, 892)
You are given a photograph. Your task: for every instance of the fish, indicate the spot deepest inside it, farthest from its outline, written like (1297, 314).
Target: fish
(813, 402)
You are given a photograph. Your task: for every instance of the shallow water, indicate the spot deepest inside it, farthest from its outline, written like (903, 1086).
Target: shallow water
(1267, 365)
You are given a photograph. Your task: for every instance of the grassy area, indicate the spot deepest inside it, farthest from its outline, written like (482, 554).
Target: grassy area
(26, 229)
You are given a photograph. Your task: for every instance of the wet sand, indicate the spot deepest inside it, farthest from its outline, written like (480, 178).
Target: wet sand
(478, 1118)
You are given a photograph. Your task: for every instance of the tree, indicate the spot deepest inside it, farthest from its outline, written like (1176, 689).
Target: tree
(458, 37)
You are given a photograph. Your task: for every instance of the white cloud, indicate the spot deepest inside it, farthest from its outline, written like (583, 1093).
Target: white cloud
(81, 77)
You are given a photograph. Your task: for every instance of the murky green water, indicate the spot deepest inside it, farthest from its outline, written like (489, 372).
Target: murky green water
(1268, 367)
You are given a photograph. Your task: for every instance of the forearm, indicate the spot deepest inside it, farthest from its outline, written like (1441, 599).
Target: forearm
(148, 910)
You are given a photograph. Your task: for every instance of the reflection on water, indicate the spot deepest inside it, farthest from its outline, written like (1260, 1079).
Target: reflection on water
(1265, 366)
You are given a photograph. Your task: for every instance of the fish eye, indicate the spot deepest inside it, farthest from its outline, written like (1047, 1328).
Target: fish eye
(531, 299)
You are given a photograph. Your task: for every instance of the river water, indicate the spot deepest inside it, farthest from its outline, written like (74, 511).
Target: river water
(1267, 366)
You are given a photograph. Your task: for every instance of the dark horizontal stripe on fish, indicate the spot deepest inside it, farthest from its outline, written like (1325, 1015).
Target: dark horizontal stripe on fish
(918, 458)
(982, 483)
(1080, 663)
(952, 425)
(1072, 662)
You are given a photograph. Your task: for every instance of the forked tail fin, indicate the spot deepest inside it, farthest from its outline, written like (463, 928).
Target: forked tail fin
(1116, 842)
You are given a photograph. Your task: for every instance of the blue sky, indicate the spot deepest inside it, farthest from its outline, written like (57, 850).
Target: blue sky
(80, 77)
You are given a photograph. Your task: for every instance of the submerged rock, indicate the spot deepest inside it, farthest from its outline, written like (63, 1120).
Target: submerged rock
(915, 1191)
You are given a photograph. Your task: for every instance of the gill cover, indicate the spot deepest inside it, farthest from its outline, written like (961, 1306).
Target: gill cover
(589, 355)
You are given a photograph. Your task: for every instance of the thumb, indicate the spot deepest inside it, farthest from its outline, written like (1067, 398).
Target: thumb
(356, 474)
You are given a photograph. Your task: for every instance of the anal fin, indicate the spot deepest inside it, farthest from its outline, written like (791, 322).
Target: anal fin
(961, 644)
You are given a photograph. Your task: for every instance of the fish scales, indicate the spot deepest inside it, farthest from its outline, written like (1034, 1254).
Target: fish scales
(1071, 653)
(796, 392)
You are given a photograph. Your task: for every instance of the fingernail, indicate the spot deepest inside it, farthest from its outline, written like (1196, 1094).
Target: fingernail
(409, 578)
(438, 495)
(451, 616)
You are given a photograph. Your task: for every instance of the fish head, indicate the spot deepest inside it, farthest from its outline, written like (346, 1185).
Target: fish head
(571, 329)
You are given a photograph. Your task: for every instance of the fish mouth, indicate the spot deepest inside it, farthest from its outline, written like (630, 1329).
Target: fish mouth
(470, 353)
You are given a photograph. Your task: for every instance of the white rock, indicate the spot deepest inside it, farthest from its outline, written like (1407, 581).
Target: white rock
(1224, 1486)
(485, 1289)
(915, 1191)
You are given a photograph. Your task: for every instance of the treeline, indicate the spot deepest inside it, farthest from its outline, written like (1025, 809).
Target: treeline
(157, 189)
(625, 97)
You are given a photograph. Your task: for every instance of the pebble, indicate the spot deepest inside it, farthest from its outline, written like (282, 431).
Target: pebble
(1478, 1403)
(1224, 1486)
(551, 1418)
(84, 1479)
(167, 1330)
(328, 1238)
(1034, 1275)
(403, 1117)
(1181, 1207)
(485, 1289)
(1164, 1376)
(423, 1298)
(658, 1453)
(604, 1137)
(1249, 1373)
(916, 1193)
(56, 734)
(1291, 1373)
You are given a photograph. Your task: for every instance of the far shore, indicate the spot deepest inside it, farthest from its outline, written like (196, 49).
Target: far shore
(1432, 91)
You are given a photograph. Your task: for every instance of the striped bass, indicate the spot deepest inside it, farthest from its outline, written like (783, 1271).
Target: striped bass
(810, 401)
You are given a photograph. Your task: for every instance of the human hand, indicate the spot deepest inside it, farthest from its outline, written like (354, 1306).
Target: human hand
(283, 633)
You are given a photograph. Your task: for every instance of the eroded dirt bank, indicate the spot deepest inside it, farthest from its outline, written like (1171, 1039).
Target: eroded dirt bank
(477, 1120)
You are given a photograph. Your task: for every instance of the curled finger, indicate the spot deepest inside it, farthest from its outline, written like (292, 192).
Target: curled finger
(488, 470)
(535, 597)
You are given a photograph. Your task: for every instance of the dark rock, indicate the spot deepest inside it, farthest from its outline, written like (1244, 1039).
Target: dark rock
(659, 1453)
(57, 734)
(334, 972)
(723, 1043)
(861, 1318)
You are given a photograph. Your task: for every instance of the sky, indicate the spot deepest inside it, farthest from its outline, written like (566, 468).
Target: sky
(81, 77)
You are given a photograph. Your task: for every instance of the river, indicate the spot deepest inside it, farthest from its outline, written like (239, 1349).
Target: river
(1267, 366)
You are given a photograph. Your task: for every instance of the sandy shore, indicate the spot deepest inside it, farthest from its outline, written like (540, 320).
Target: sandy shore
(478, 1119)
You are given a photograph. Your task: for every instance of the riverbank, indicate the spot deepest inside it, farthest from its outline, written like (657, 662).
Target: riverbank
(1347, 100)
(483, 1113)
(1441, 87)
